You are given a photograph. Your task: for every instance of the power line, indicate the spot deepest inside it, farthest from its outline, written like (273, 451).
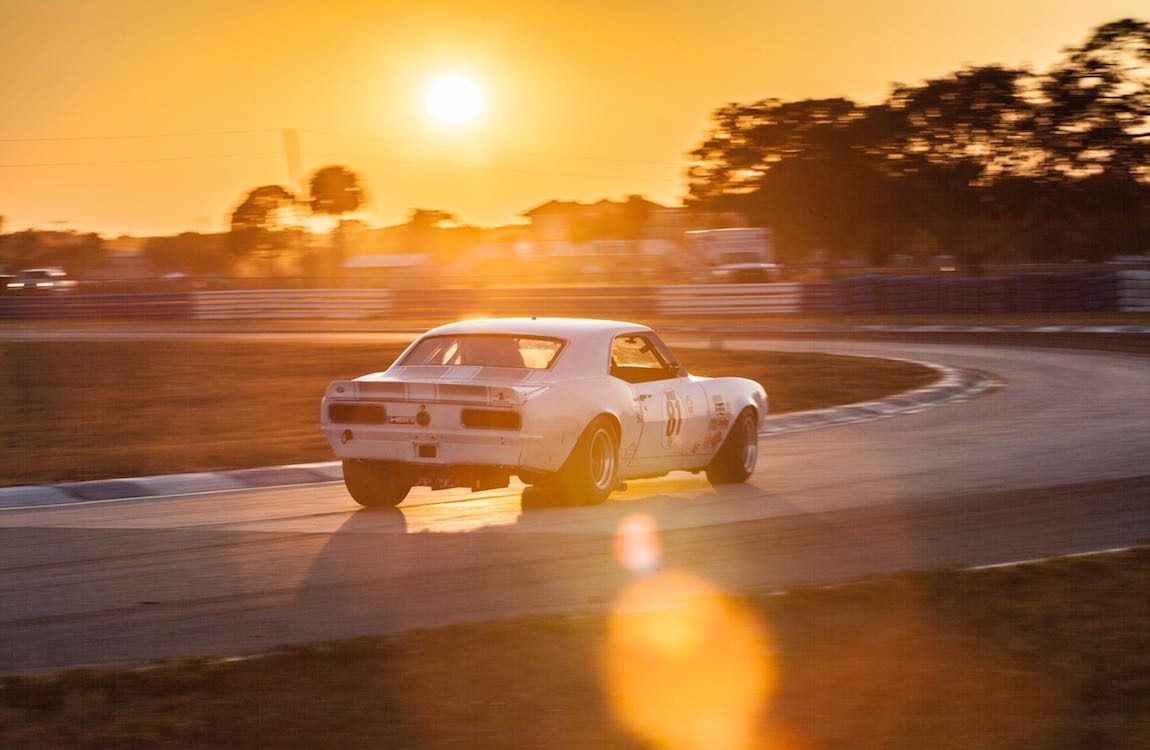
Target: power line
(490, 169)
(191, 134)
(533, 154)
(326, 134)
(139, 161)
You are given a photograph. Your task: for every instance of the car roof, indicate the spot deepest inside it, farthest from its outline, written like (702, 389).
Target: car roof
(565, 328)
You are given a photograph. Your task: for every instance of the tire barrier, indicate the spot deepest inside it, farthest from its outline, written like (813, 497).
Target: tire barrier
(1133, 291)
(1024, 293)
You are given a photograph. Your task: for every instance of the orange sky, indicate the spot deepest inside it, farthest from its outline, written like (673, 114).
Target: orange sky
(154, 118)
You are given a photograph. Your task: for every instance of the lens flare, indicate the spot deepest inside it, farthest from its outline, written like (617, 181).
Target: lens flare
(637, 546)
(685, 666)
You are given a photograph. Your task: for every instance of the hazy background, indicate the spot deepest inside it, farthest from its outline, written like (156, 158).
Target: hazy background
(150, 118)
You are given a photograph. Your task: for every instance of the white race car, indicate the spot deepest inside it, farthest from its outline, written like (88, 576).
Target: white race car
(577, 406)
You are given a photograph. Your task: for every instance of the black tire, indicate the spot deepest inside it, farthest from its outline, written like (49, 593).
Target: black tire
(591, 472)
(375, 484)
(735, 461)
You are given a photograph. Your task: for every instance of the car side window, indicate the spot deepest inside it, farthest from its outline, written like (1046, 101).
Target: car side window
(635, 358)
(669, 359)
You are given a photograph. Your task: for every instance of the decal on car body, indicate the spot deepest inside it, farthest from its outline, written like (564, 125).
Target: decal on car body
(674, 410)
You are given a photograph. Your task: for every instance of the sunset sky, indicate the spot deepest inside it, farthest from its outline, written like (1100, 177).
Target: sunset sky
(152, 118)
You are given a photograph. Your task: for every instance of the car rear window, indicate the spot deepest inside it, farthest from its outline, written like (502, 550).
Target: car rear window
(486, 350)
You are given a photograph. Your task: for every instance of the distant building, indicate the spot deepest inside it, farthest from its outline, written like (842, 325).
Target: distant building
(399, 269)
(610, 241)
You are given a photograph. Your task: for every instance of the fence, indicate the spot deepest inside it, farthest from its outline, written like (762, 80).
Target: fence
(1127, 291)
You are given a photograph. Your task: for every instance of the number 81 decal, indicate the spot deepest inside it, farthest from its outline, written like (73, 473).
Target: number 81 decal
(674, 416)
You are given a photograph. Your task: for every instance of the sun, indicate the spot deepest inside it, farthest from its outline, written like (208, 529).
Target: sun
(454, 100)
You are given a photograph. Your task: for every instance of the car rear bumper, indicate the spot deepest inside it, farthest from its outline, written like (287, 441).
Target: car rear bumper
(440, 448)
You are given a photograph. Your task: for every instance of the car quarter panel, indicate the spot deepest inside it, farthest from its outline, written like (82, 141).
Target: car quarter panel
(562, 412)
(726, 398)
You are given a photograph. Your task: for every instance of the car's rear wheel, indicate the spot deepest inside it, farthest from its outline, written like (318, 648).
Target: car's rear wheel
(375, 484)
(736, 459)
(592, 470)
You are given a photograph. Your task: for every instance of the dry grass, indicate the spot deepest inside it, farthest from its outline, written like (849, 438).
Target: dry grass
(1045, 657)
(98, 409)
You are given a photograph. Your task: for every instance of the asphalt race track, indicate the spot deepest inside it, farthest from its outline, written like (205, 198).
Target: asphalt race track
(1054, 462)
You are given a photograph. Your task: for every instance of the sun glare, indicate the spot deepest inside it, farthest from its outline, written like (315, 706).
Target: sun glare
(454, 100)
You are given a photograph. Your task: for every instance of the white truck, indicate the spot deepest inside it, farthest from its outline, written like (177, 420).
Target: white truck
(733, 255)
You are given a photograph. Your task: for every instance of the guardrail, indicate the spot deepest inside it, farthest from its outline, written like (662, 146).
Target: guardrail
(70, 305)
(587, 301)
(730, 299)
(1126, 291)
(291, 303)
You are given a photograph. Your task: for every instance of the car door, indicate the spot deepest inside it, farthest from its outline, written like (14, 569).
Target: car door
(672, 407)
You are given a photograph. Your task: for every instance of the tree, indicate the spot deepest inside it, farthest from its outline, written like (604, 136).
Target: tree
(22, 250)
(335, 191)
(84, 255)
(259, 229)
(1097, 109)
(439, 233)
(189, 253)
(422, 219)
(747, 141)
(987, 162)
(977, 124)
(804, 168)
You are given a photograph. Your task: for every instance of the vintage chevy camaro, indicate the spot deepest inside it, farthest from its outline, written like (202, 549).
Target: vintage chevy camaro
(577, 406)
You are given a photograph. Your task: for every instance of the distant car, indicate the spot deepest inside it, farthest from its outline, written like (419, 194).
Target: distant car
(745, 273)
(41, 280)
(577, 406)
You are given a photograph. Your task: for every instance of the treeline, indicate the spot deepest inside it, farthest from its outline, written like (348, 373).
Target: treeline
(991, 164)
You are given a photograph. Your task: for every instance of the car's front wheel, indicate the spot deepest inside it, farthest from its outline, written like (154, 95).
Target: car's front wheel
(375, 484)
(592, 470)
(736, 459)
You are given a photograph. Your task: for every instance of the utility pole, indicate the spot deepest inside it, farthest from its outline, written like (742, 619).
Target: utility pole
(295, 186)
(291, 153)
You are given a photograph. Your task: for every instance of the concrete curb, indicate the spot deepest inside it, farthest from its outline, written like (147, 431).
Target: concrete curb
(953, 386)
(72, 493)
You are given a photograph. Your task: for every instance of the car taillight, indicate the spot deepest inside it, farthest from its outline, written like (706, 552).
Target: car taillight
(357, 413)
(487, 419)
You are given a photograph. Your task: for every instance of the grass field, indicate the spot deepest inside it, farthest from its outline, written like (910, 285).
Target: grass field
(77, 410)
(1053, 656)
